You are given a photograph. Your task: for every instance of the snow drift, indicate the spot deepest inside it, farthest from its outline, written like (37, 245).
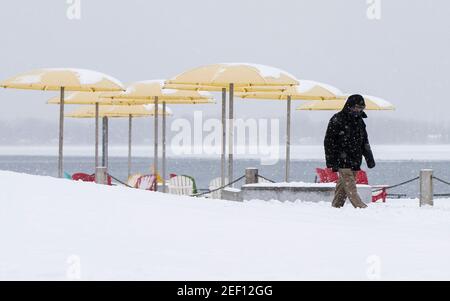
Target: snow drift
(115, 233)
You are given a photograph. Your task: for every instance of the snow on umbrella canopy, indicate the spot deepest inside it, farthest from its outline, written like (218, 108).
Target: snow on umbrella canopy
(239, 74)
(372, 104)
(63, 79)
(53, 79)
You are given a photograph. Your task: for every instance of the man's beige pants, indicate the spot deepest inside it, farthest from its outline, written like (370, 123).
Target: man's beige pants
(346, 187)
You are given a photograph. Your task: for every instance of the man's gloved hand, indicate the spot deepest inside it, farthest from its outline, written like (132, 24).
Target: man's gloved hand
(371, 164)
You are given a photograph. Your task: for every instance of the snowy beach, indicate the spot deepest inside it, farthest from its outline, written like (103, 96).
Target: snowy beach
(256, 145)
(115, 233)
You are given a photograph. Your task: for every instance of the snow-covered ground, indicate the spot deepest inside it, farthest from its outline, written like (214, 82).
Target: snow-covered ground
(298, 152)
(59, 229)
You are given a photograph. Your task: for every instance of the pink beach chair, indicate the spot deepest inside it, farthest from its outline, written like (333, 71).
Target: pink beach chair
(147, 182)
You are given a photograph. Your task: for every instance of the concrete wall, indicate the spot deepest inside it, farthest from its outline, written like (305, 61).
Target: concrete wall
(232, 194)
(295, 192)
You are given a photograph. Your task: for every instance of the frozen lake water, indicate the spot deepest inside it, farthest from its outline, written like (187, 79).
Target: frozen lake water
(203, 170)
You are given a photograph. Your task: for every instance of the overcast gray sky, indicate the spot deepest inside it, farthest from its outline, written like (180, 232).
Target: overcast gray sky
(403, 57)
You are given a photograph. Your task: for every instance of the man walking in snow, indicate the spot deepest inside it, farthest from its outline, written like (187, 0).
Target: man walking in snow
(346, 142)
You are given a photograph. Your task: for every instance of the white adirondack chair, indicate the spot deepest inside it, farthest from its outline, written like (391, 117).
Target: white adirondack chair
(181, 185)
(214, 184)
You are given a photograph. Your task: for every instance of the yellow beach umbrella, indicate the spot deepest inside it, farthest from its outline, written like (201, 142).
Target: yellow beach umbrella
(53, 79)
(84, 98)
(117, 111)
(231, 77)
(238, 74)
(63, 79)
(107, 111)
(307, 90)
(372, 104)
(238, 89)
(153, 92)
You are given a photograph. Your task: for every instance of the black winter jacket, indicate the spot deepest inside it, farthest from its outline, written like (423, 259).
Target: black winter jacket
(346, 141)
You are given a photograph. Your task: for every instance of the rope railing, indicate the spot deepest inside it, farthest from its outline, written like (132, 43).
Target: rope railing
(414, 179)
(442, 194)
(442, 181)
(119, 181)
(264, 178)
(220, 188)
(397, 185)
(229, 184)
(199, 194)
(396, 195)
(208, 191)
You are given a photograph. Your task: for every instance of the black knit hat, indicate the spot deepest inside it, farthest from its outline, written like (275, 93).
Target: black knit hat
(354, 100)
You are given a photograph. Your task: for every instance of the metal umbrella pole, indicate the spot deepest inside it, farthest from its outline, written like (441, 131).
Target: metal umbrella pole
(104, 141)
(230, 133)
(155, 160)
(224, 137)
(130, 129)
(61, 134)
(164, 167)
(96, 133)
(107, 144)
(288, 137)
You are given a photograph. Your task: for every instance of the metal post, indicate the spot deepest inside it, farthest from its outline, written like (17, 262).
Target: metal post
(224, 137)
(288, 138)
(61, 134)
(101, 175)
(104, 120)
(96, 133)
(130, 128)
(163, 174)
(230, 133)
(426, 187)
(251, 176)
(155, 154)
(107, 143)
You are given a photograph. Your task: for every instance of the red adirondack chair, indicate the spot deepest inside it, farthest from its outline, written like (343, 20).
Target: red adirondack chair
(328, 176)
(88, 178)
(83, 177)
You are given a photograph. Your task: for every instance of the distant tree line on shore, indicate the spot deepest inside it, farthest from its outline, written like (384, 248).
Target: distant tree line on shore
(308, 131)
